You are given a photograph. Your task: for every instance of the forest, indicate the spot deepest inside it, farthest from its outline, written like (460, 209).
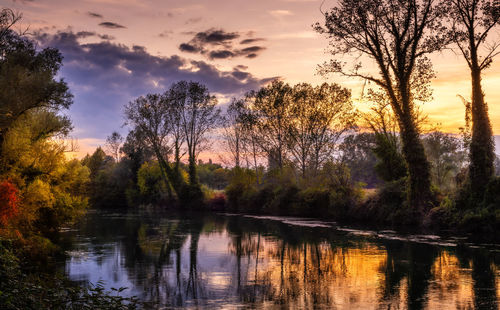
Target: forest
(291, 150)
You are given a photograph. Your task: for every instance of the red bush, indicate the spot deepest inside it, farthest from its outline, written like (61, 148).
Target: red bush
(9, 201)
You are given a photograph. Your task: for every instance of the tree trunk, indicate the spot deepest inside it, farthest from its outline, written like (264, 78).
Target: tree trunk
(419, 177)
(482, 155)
(193, 179)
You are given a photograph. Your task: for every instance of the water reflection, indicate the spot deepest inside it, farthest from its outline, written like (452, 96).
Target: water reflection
(235, 261)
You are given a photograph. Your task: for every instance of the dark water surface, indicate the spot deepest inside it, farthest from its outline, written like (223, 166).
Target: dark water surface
(234, 261)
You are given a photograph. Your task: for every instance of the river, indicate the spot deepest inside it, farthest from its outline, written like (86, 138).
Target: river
(227, 261)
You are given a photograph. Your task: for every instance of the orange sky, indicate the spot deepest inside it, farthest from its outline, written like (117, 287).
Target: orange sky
(292, 49)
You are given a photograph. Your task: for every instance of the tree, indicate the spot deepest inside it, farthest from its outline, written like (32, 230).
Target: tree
(198, 116)
(390, 165)
(471, 23)
(271, 105)
(318, 117)
(397, 36)
(113, 143)
(27, 78)
(358, 156)
(233, 130)
(447, 157)
(147, 114)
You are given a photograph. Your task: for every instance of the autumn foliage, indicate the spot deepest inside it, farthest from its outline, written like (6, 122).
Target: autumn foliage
(9, 200)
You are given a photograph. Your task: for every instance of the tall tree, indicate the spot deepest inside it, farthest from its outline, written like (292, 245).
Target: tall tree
(397, 35)
(175, 101)
(113, 143)
(199, 114)
(472, 21)
(147, 114)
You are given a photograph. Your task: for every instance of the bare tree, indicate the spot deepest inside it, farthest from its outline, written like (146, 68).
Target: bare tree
(396, 35)
(113, 143)
(472, 21)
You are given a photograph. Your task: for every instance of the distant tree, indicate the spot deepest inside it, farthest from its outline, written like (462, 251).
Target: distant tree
(397, 36)
(357, 154)
(447, 158)
(113, 143)
(199, 114)
(136, 151)
(472, 21)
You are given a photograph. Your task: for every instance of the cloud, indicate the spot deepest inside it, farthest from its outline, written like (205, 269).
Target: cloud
(111, 25)
(93, 14)
(86, 34)
(104, 76)
(250, 41)
(220, 44)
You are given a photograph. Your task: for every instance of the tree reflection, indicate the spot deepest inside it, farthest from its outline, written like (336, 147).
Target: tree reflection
(211, 261)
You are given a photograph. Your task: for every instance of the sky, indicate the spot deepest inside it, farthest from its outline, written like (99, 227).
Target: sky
(117, 50)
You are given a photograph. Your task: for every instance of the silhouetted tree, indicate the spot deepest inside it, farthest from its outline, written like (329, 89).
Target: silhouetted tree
(472, 21)
(397, 36)
(233, 131)
(318, 117)
(271, 105)
(113, 143)
(199, 114)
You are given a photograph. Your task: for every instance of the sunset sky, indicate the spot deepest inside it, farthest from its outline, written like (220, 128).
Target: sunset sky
(117, 50)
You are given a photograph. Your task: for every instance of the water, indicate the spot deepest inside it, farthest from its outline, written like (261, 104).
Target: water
(231, 261)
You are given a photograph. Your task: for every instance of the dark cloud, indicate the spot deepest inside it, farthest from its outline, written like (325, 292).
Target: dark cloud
(221, 54)
(252, 49)
(209, 43)
(250, 41)
(186, 47)
(104, 76)
(85, 34)
(241, 67)
(93, 14)
(111, 25)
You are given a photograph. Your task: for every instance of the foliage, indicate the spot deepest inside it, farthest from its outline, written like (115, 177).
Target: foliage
(358, 155)
(9, 201)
